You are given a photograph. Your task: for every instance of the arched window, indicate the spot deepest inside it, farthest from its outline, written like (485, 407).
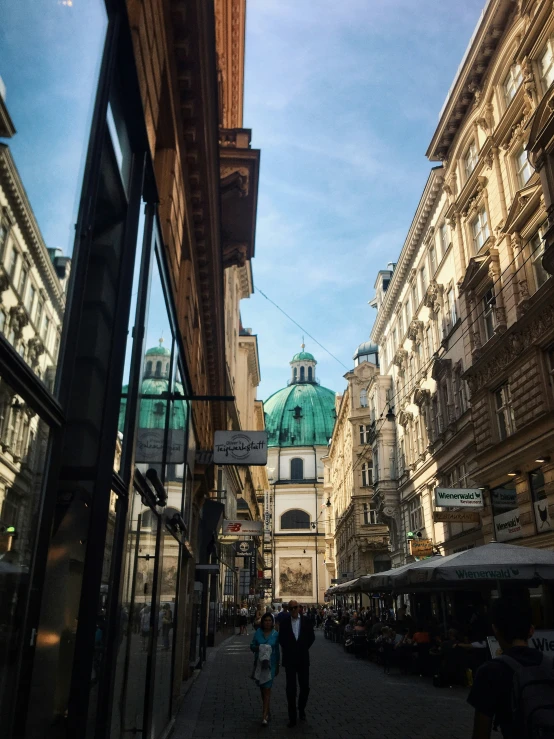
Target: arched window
(309, 374)
(302, 376)
(295, 373)
(295, 519)
(363, 398)
(148, 368)
(297, 469)
(158, 369)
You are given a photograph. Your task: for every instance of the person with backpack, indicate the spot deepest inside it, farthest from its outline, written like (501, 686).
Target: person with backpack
(515, 691)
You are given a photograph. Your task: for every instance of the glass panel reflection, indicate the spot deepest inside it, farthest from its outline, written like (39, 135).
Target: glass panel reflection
(137, 623)
(166, 617)
(46, 102)
(23, 446)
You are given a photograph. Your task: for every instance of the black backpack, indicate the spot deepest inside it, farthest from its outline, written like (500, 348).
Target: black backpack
(532, 699)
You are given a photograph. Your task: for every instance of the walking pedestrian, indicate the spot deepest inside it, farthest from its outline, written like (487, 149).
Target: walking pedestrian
(145, 626)
(243, 620)
(266, 645)
(281, 616)
(296, 636)
(515, 691)
(167, 625)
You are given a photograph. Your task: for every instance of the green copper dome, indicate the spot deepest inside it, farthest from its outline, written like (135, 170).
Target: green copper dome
(158, 350)
(300, 415)
(303, 356)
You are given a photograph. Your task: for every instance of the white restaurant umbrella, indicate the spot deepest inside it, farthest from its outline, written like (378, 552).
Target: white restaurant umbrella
(382, 579)
(487, 563)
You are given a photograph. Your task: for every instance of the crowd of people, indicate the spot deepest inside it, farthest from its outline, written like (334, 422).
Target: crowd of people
(511, 691)
(449, 655)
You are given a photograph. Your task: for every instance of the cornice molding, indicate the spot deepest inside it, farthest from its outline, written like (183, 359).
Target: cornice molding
(431, 193)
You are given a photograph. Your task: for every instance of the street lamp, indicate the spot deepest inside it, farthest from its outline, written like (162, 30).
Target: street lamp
(272, 481)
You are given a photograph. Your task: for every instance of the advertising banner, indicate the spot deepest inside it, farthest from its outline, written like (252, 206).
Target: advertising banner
(244, 548)
(150, 446)
(542, 516)
(507, 525)
(504, 498)
(240, 447)
(458, 498)
(237, 527)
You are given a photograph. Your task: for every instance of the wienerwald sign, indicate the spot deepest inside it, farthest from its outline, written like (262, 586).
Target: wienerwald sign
(458, 498)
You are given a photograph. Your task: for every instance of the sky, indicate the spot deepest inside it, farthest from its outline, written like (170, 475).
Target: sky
(342, 99)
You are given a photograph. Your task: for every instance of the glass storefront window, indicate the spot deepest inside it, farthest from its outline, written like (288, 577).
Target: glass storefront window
(23, 445)
(168, 578)
(506, 512)
(49, 65)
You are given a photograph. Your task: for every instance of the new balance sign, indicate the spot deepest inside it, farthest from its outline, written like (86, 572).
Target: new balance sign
(458, 498)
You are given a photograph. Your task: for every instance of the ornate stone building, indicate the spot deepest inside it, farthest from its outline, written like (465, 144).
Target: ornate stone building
(299, 422)
(356, 542)
(472, 391)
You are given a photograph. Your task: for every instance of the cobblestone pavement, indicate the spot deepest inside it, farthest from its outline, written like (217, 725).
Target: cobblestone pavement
(349, 698)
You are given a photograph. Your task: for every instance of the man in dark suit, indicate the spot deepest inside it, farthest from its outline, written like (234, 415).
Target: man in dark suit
(296, 636)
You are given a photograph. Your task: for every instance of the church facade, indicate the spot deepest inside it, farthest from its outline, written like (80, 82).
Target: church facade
(299, 421)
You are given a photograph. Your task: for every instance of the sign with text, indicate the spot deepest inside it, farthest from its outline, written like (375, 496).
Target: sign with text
(421, 547)
(541, 640)
(244, 548)
(150, 445)
(240, 447)
(456, 517)
(458, 498)
(238, 527)
(507, 525)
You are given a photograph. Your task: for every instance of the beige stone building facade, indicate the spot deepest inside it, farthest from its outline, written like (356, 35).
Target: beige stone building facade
(356, 543)
(465, 325)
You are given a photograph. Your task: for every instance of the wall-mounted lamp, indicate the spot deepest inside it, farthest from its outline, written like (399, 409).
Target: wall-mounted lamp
(304, 551)
(390, 414)
(328, 504)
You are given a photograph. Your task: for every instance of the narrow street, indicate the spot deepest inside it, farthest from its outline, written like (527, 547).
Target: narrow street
(349, 698)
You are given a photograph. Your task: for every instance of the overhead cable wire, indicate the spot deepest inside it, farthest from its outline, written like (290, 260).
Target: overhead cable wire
(303, 329)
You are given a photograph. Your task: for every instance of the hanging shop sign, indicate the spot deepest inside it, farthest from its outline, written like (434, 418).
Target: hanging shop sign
(238, 527)
(458, 498)
(421, 547)
(150, 446)
(244, 548)
(240, 447)
(507, 525)
(253, 568)
(456, 517)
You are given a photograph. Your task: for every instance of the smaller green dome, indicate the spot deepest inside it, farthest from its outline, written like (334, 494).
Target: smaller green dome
(303, 356)
(159, 351)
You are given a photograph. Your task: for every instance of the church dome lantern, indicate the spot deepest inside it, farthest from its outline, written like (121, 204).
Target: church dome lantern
(303, 413)
(303, 367)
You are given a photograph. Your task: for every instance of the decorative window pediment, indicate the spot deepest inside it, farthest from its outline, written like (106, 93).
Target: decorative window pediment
(400, 358)
(432, 295)
(414, 329)
(477, 270)
(421, 396)
(441, 367)
(523, 207)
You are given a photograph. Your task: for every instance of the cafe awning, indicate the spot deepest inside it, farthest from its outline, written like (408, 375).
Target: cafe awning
(488, 563)
(382, 580)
